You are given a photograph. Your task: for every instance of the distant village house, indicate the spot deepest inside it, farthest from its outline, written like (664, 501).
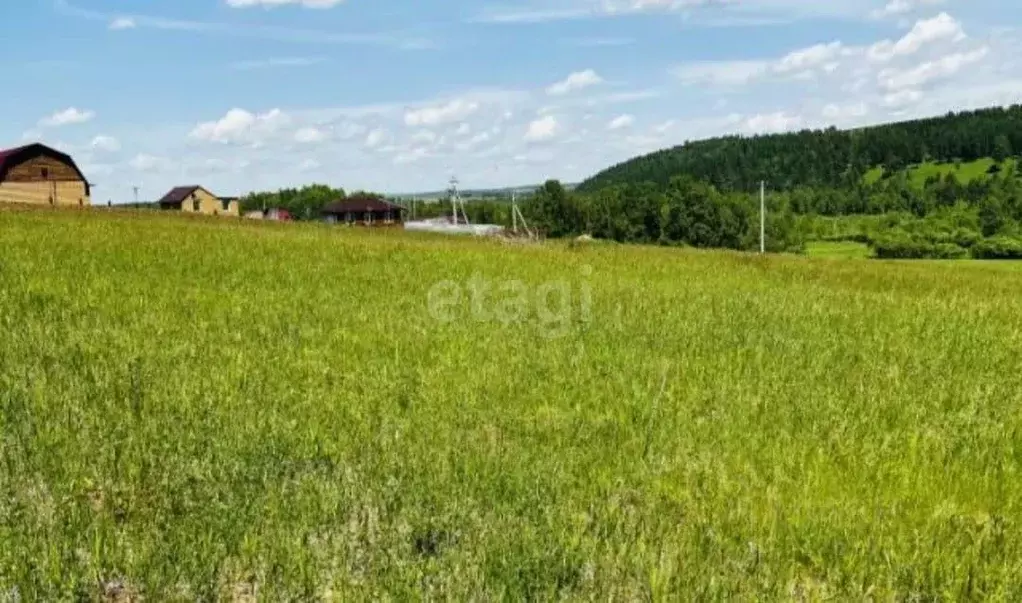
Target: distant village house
(274, 214)
(39, 175)
(196, 199)
(364, 211)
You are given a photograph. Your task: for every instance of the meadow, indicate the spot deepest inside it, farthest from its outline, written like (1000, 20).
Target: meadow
(204, 409)
(965, 171)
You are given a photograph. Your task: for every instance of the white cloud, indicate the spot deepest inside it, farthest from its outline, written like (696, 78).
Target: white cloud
(376, 138)
(902, 98)
(916, 77)
(309, 135)
(239, 125)
(66, 117)
(718, 12)
(452, 111)
(808, 58)
(901, 7)
(835, 112)
(149, 163)
(923, 33)
(105, 143)
(620, 122)
(578, 80)
(772, 122)
(720, 73)
(122, 23)
(309, 165)
(273, 3)
(277, 62)
(542, 129)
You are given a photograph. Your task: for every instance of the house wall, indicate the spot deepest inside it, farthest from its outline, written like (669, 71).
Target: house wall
(208, 203)
(233, 209)
(58, 185)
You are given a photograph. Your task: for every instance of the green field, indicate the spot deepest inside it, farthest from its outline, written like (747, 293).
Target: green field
(964, 171)
(845, 250)
(202, 409)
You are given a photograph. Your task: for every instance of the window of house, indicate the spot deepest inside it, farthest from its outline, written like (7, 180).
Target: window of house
(45, 172)
(196, 204)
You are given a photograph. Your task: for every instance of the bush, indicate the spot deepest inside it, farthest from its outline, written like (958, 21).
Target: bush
(998, 248)
(904, 248)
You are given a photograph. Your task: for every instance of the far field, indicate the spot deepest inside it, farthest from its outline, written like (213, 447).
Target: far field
(202, 409)
(965, 172)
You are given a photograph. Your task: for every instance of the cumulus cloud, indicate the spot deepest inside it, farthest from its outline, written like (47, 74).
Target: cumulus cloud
(901, 7)
(578, 80)
(239, 125)
(144, 162)
(451, 111)
(923, 33)
(772, 122)
(542, 129)
(105, 143)
(376, 138)
(620, 122)
(310, 135)
(899, 79)
(71, 115)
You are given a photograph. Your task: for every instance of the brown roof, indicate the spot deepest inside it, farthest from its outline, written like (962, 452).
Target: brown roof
(357, 205)
(179, 194)
(9, 157)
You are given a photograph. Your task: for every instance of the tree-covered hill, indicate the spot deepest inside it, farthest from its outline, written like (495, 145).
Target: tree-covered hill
(825, 158)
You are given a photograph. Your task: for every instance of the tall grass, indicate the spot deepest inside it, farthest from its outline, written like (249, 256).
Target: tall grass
(203, 409)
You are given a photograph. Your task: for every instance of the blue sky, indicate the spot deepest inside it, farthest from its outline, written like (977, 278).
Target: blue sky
(242, 95)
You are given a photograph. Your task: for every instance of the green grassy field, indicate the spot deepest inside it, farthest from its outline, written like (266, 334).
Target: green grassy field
(845, 250)
(965, 172)
(198, 409)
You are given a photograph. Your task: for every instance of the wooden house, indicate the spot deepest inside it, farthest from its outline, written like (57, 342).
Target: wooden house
(364, 211)
(39, 175)
(196, 199)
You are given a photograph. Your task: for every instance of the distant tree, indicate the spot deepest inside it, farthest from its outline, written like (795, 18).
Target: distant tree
(1002, 148)
(991, 216)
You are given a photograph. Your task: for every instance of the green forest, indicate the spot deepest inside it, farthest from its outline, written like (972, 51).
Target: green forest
(947, 187)
(944, 187)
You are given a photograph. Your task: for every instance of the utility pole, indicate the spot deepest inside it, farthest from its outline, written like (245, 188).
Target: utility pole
(135, 188)
(514, 213)
(762, 216)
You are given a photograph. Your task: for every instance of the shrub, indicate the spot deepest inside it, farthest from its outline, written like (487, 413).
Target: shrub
(998, 248)
(905, 248)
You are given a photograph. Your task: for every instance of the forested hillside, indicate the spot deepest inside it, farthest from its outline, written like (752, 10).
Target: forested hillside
(829, 158)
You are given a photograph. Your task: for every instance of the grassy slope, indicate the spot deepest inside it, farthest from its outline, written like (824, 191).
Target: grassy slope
(201, 407)
(965, 172)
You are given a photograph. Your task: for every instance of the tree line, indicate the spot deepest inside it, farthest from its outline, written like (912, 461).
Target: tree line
(827, 158)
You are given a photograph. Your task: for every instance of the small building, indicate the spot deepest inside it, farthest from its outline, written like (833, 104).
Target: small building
(364, 211)
(278, 214)
(274, 214)
(39, 175)
(198, 200)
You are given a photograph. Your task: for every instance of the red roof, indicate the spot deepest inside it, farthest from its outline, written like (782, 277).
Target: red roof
(10, 157)
(357, 205)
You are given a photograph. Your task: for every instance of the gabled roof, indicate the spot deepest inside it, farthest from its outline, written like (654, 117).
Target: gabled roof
(179, 194)
(10, 157)
(363, 204)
